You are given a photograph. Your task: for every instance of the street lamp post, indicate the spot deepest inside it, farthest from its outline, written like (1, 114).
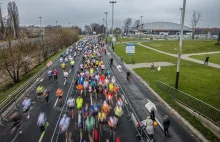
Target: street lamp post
(103, 26)
(41, 30)
(112, 2)
(57, 27)
(141, 24)
(106, 31)
(180, 44)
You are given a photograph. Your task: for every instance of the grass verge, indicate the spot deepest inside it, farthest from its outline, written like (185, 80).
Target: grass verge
(189, 46)
(6, 90)
(142, 55)
(213, 58)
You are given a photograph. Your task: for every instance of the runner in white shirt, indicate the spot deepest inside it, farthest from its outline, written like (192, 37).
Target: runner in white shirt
(66, 74)
(103, 67)
(41, 121)
(85, 86)
(106, 80)
(71, 103)
(26, 106)
(66, 59)
(64, 124)
(61, 60)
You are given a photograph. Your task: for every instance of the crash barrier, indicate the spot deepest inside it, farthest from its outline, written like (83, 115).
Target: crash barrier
(129, 109)
(206, 110)
(17, 96)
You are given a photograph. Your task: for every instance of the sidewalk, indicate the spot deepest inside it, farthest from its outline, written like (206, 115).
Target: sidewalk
(186, 56)
(141, 65)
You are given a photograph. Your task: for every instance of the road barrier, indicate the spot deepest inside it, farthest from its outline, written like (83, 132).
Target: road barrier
(206, 110)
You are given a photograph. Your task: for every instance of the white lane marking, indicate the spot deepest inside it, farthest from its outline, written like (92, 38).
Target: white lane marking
(118, 67)
(70, 71)
(64, 105)
(55, 103)
(64, 82)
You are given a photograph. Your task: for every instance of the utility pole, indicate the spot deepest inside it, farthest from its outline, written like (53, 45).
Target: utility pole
(112, 2)
(57, 27)
(69, 24)
(141, 24)
(103, 26)
(106, 31)
(180, 43)
(41, 30)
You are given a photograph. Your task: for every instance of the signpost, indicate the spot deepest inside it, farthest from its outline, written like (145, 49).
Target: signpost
(130, 48)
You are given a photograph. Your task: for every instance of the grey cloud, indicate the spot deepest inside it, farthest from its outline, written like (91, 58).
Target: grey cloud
(81, 12)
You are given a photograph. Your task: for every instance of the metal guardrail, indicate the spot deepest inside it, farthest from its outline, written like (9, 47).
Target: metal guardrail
(14, 98)
(208, 111)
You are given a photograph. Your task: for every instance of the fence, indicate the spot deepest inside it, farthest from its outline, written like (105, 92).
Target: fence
(195, 104)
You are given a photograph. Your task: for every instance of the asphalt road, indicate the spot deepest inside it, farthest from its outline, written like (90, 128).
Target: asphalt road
(31, 133)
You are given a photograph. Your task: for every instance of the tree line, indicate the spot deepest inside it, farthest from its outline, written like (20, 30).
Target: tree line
(20, 56)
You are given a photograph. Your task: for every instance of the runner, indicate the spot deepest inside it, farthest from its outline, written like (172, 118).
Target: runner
(64, 125)
(72, 62)
(65, 74)
(71, 105)
(16, 120)
(55, 74)
(41, 121)
(26, 106)
(59, 94)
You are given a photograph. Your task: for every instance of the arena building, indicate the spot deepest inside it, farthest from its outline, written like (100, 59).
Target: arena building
(164, 28)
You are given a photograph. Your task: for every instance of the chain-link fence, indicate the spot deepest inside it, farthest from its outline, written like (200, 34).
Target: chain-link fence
(197, 105)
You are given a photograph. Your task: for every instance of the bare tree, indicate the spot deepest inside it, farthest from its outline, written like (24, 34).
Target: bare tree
(127, 24)
(13, 15)
(196, 16)
(137, 24)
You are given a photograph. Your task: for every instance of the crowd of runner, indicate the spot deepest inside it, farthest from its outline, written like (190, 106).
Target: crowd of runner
(92, 82)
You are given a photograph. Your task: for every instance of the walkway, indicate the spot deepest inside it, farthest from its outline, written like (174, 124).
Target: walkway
(141, 65)
(186, 56)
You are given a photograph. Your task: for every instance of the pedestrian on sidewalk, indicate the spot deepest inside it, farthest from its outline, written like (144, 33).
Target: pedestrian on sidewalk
(133, 61)
(150, 127)
(152, 67)
(166, 125)
(206, 60)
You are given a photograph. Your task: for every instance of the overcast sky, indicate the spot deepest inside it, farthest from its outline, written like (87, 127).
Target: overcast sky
(81, 12)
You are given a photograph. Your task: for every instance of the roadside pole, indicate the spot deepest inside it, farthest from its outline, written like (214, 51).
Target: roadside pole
(180, 43)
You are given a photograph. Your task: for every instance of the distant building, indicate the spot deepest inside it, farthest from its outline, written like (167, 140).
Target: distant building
(164, 28)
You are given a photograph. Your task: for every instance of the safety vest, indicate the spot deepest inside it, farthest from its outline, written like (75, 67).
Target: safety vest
(91, 71)
(118, 111)
(72, 62)
(111, 87)
(40, 89)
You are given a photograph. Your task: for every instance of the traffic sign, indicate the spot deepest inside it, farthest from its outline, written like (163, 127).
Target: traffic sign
(130, 48)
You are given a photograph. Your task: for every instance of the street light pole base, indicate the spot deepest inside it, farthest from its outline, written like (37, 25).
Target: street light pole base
(177, 80)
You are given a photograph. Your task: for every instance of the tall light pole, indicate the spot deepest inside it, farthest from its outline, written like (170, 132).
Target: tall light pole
(112, 2)
(103, 26)
(141, 24)
(69, 24)
(180, 44)
(57, 27)
(106, 31)
(41, 29)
